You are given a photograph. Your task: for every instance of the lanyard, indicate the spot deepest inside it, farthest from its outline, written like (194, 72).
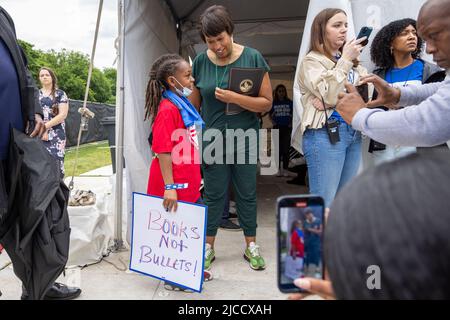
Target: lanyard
(219, 84)
(407, 77)
(351, 76)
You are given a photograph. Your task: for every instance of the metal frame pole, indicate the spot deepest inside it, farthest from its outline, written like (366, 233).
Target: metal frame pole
(118, 208)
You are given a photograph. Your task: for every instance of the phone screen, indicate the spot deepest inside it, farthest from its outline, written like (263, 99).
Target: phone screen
(300, 237)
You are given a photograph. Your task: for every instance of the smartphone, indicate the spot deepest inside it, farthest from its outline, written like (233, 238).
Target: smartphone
(300, 227)
(364, 32)
(363, 90)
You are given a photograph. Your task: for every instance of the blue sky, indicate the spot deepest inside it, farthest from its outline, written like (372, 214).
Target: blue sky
(70, 24)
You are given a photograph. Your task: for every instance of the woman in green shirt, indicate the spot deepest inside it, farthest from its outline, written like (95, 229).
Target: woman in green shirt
(211, 71)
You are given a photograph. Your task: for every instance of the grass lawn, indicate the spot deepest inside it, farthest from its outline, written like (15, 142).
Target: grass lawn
(90, 156)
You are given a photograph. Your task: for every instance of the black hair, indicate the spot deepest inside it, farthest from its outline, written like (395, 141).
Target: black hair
(294, 224)
(275, 95)
(380, 50)
(394, 216)
(215, 20)
(165, 66)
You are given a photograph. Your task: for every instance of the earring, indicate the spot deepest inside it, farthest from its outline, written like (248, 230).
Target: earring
(392, 51)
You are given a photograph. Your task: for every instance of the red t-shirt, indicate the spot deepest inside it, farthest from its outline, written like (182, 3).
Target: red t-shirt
(185, 156)
(297, 245)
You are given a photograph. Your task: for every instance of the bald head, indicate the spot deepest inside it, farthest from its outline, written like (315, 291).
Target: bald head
(433, 26)
(433, 9)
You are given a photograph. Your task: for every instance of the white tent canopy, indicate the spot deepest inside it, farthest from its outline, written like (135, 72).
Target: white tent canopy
(149, 28)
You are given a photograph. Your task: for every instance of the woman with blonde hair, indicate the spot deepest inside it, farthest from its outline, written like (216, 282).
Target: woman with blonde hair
(332, 148)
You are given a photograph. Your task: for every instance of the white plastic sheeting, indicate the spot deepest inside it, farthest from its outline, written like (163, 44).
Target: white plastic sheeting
(92, 226)
(91, 232)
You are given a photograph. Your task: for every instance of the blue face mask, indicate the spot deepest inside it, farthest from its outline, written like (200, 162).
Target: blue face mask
(186, 91)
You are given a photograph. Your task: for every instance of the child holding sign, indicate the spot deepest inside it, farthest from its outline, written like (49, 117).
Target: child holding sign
(175, 169)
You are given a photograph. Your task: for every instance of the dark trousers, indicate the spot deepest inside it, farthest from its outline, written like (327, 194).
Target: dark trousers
(285, 143)
(217, 178)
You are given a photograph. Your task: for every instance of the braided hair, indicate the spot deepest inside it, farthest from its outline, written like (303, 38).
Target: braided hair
(162, 68)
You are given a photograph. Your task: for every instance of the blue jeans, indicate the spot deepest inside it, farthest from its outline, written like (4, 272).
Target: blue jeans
(331, 166)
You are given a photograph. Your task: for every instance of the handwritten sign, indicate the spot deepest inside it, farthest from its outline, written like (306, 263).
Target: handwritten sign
(168, 245)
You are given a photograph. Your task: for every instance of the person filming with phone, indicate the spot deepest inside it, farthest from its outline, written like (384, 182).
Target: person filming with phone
(332, 148)
(375, 246)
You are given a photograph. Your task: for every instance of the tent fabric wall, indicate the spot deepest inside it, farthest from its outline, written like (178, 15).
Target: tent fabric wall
(149, 32)
(360, 13)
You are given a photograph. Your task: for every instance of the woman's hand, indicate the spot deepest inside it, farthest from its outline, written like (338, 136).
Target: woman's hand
(317, 103)
(352, 49)
(45, 136)
(170, 200)
(226, 96)
(39, 127)
(322, 288)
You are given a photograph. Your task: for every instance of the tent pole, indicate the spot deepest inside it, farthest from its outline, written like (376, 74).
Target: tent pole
(118, 208)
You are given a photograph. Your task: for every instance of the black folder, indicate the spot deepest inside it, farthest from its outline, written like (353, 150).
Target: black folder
(244, 81)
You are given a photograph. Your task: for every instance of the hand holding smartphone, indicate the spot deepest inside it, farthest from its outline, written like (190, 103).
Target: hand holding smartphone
(363, 90)
(364, 32)
(300, 226)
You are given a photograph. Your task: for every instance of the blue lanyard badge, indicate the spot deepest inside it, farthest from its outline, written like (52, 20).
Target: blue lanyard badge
(351, 76)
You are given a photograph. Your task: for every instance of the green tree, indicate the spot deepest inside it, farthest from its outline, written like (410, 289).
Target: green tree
(100, 86)
(111, 75)
(71, 69)
(34, 57)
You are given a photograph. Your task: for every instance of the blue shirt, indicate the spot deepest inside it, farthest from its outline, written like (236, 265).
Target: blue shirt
(402, 77)
(281, 113)
(10, 105)
(351, 79)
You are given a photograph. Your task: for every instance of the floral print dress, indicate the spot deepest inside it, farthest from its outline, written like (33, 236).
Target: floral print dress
(56, 143)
